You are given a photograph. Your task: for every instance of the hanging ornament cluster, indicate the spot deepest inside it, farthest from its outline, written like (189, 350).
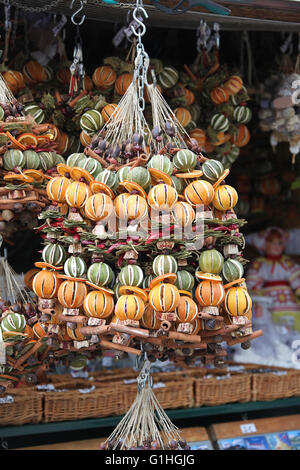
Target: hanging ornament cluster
(218, 109)
(28, 156)
(279, 113)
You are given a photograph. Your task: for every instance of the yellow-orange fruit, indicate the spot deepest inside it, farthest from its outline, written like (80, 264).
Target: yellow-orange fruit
(71, 294)
(57, 187)
(199, 192)
(104, 76)
(45, 284)
(164, 297)
(187, 309)
(210, 293)
(99, 207)
(129, 307)
(162, 197)
(237, 301)
(98, 304)
(77, 194)
(122, 83)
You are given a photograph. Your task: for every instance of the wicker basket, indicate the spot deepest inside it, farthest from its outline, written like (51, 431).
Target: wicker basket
(71, 404)
(27, 407)
(271, 386)
(213, 391)
(174, 394)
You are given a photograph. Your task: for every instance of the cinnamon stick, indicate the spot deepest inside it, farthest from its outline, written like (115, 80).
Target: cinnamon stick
(95, 330)
(242, 339)
(207, 316)
(74, 101)
(73, 318)
(129, 330)
(184, 337)
(119, 347)
(29, 353)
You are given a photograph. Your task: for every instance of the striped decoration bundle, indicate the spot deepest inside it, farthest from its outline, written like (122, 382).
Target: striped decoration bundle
(145, 254)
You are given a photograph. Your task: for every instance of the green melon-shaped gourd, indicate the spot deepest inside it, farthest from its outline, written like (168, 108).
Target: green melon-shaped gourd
(232, 270)
(13, 322)
(123, 173)
(91, 165)
(75, 159)
(147, 280)
(164, 264)
(36, 112)
(140, 175)
(211, 261)
(32, 159)
(168, 77)
(58, 159)
(100, 274)
(242, 114)
(78, 363)
(185, 160)
(162, 163)
(54, 254)
(47, 160)
(12, 159)
(178, 184)
(131, 275)
(109, 178)
(212, 169)
(91, 121)
(219, 122)
(75, 267)
(185, 280)
(1, 113)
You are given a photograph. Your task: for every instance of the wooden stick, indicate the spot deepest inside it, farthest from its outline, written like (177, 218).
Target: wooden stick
(242, 339)
(73, 318)
(95, 330)
(119, 347)
(74, 101)
(130, 330)
(184, 337)
(221, 331)
(29, 353)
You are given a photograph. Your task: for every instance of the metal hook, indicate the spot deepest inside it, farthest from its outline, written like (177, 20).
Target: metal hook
(138, 20)
(77, 12)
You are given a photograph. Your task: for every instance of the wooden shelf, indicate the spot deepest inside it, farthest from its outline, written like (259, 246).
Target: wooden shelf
(256, 15)
(175, 415)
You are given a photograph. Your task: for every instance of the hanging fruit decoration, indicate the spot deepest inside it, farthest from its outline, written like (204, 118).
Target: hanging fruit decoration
(134, 221)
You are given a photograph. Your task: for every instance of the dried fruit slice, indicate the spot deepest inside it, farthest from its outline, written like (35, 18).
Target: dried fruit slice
(28, 139)
(233, 283)
(18, 177)
(222, 177)
(63, 169)
(131, 186)
(191, 175)
(36, 175)
(207, 276)
(102, 289)
(41, 264)
(158, 176)
(123, 290)
(79, 174)
(98, 187)
(169, 278)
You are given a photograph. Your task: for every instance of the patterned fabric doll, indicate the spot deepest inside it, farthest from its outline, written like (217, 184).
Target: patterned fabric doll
(277, 275)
